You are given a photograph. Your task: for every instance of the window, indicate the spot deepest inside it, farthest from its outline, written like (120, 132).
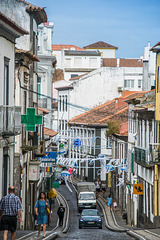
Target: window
(139, 83)
(129, 83)
(6, 82)
(24, 102)
(74, 75)
(93, 62)
(66, 103)
(68, 62)
(60, 101)
(63, 103)
(109, 142)
(39, 86)
(78, 62)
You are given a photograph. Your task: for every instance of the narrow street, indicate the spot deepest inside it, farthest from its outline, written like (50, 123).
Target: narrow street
(85, 233)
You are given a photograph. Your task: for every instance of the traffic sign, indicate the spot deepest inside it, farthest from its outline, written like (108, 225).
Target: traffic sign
(138, 189)
(77, 142)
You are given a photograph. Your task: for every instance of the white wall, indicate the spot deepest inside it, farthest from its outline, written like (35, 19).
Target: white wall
(105, 53)
(133, 73)
(96, 88)
(7, 50)
(58, 55)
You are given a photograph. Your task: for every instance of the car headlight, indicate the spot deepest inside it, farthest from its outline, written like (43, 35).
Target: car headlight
(99, 220)
(81, 220)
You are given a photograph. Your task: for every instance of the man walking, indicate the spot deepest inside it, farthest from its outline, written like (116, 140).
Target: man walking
(10, 207)
(60, 213)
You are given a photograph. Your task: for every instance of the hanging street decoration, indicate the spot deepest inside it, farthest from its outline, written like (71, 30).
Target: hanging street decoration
(48, 169)
(31, 119)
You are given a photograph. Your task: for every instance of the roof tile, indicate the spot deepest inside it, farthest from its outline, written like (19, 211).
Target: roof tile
(49, 132)
(116, 110)
(59, 47)
(100, 44)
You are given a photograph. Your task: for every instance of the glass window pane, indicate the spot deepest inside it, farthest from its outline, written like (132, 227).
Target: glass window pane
(139, 83)
(132, 83)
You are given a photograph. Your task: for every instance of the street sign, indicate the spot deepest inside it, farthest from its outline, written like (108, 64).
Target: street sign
(49, 157)
(138, 189)
(31, 119)
(77, 142)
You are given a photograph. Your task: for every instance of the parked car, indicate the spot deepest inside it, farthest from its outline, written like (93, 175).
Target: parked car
(90, 218)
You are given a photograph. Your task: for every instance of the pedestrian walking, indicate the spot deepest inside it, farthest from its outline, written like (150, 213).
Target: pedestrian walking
(114, 205)
(103, 189)
(98, 187)
(74, 172)
(60, 212)
(41, 212)
(109, 200)
(70, 170)
(10, 208)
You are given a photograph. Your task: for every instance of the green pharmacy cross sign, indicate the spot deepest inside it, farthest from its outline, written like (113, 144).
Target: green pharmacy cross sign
(31, 119)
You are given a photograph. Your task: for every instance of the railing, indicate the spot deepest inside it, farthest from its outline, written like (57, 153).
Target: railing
(141, 156)
(154, 153)
(10, 120)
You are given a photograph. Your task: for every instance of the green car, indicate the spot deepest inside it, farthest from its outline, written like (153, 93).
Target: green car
(90, 218)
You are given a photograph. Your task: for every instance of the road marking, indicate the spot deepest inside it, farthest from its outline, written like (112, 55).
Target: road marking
(27, 235)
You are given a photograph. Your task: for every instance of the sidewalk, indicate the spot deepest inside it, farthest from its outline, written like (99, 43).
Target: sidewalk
(21, 233)
(151, 233)
(137, 233)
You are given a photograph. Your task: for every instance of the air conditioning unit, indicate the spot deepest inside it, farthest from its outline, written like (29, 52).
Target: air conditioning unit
(40, 150)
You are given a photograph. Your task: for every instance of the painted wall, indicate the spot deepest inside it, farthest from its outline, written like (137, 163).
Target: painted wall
(105, 53)
(7, 50)
(96, 88)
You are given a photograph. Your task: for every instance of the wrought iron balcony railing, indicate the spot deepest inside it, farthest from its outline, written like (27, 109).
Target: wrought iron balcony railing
(154, 153)
(141, 156)
(10, 120)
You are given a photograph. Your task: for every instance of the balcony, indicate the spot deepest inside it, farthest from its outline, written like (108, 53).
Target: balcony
(154, 153)
(141, 156)
(10, 121)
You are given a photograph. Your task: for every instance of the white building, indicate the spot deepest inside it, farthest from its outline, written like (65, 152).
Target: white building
(132, 71)
(75, 63)
(87, 92)
(29, 17)
(10, 124)
(90, 128)
(149, 68)
(107, 50)
(57, 51)
(140, 208)
(45, 69)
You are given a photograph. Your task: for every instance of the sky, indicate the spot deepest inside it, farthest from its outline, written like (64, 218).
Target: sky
(126, 24)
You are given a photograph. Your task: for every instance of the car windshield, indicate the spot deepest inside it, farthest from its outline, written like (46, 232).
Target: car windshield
(86, 196)
(89, 212)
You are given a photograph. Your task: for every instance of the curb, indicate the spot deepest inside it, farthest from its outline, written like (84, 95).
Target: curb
(135, 235)
(115, 229)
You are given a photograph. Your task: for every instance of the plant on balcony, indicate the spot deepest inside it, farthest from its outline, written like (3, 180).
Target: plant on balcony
(113, 127)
